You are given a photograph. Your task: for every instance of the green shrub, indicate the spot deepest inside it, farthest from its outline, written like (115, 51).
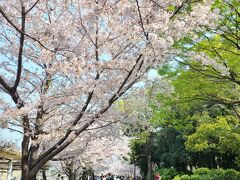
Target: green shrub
(210, 174)
(217, 172)
(177, 177)
(202, 171)
(185, 177)
(167, 173)
(196, 177)
(228, 174)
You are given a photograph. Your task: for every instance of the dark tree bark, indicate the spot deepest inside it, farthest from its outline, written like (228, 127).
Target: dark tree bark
(149, 158)
(149, 165)
(44, 173)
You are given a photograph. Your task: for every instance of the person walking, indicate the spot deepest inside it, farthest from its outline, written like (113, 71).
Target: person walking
(157, 176)
(59, 177)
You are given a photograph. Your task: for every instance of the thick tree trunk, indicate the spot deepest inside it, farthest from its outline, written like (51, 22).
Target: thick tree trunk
(28, 177)
(25, 144)
(24, 175)
(26, 172)
(33, 177)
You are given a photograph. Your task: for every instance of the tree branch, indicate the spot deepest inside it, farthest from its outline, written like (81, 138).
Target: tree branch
(71, 135)
(17, 29)
(141, 21)
(20, 52)
(32, 7)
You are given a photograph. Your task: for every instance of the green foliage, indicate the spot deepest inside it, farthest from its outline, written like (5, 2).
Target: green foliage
(199, 121)
(167, 173)
(210, 174)
(171, 8)
(202, 171)
(192, 177)
(139, 150)
(168, 70)
(205, 106)
(215, 133)
(168, 148)
(228, 174)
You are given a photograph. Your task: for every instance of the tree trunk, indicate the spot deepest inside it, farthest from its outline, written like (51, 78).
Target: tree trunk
(25, 151)
(72, 176)
(85, 174)
(28, 177)
(134, 172)
(149, 164)
(44, 173)
(149, 157)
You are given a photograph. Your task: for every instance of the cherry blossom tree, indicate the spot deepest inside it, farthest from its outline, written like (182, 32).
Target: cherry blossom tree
(8, 145)
(93, 152)
(64, 63)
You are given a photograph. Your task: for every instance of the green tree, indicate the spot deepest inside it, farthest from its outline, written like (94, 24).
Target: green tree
(219, 134)
(204, 110)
